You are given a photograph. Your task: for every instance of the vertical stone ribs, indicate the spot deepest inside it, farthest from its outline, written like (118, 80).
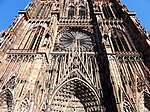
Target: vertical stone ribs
(65, 63)
(108, 98)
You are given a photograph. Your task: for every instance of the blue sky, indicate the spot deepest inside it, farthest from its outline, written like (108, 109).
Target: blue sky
(9, 9)
(142, 9)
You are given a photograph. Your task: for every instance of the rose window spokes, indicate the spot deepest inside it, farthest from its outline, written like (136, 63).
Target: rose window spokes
(75, 41)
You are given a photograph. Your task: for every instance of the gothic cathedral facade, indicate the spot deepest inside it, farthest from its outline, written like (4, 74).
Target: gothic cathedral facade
(75, 56)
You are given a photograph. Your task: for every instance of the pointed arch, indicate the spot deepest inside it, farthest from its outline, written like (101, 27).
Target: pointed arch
(65, 82)
(144, 102)
(76, 73)
(127, 107)
(10, 83)
(6, 100)
(71, 11)
(78, 92)
(34, 35)
(82, 11)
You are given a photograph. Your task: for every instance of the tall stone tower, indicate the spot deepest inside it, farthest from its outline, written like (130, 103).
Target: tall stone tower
(75, 56)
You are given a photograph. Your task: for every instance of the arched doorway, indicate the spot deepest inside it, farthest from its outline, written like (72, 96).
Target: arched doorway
(75, 95)
(6, 101)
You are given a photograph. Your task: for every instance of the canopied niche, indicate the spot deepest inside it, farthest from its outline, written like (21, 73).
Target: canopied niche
(71, 11)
